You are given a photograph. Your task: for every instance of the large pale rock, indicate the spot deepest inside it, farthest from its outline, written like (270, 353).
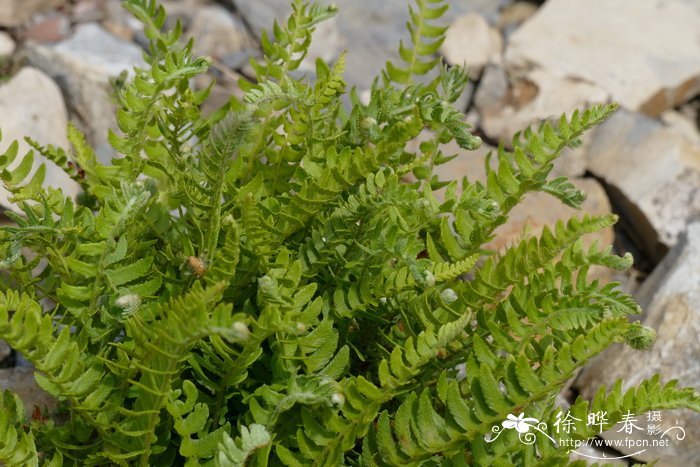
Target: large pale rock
(653, 173)
(217, 33)
(15, 12)
(83, 65)
(31, 105)
(472, 42)
(373, 28)
(645, 54)
(671, 299)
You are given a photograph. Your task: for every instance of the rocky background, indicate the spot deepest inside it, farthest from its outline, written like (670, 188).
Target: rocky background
(528, 61)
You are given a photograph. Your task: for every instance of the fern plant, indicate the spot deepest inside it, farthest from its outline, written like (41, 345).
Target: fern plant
(260, 286)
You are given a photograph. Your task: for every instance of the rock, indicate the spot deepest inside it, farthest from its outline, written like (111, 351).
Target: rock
(216, 32)
(7, 45)
(515, 14)
(628, 48)
(673, 310)
(51, 28)
(31, 105)
(5, 352)
(85, 11)
(15, 12)
(373, 28)
(83, 65)
(239, 60)
(683, 124)
(20, 380)
(119, 22)
(472, 42)
(653, 175)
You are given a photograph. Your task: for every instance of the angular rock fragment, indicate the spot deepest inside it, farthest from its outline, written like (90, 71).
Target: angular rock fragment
(645, 54)
(653, 175)
(471, 42)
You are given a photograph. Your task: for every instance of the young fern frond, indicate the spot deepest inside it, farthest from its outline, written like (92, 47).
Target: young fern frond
(426, 39)
(286, 50)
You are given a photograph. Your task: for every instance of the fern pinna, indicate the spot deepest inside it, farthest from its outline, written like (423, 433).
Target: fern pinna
(262, 286)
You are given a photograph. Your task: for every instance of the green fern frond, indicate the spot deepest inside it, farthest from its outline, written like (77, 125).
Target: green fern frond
(426, 39)
(16, 445)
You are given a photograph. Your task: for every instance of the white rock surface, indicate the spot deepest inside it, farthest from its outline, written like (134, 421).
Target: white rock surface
(31, 105)
(538, 95)
(654, 173)
(217, 32)
(471, 41)
(672, 307)
(7, 45)
(646, 54)
(15, 12)
(683, 124)
(83, 65)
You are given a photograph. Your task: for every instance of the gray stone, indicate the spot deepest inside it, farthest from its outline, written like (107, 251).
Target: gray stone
(5, 351)
(671, 299)
(15, 12)
(683, 124)
(653, 173)
(216, 32)
(20, 380)
(514, 14)
(373, 28)
(472, 42)
(31, 105)
(83, 65)
(119, 22)
(7, 45)
(645, 54)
